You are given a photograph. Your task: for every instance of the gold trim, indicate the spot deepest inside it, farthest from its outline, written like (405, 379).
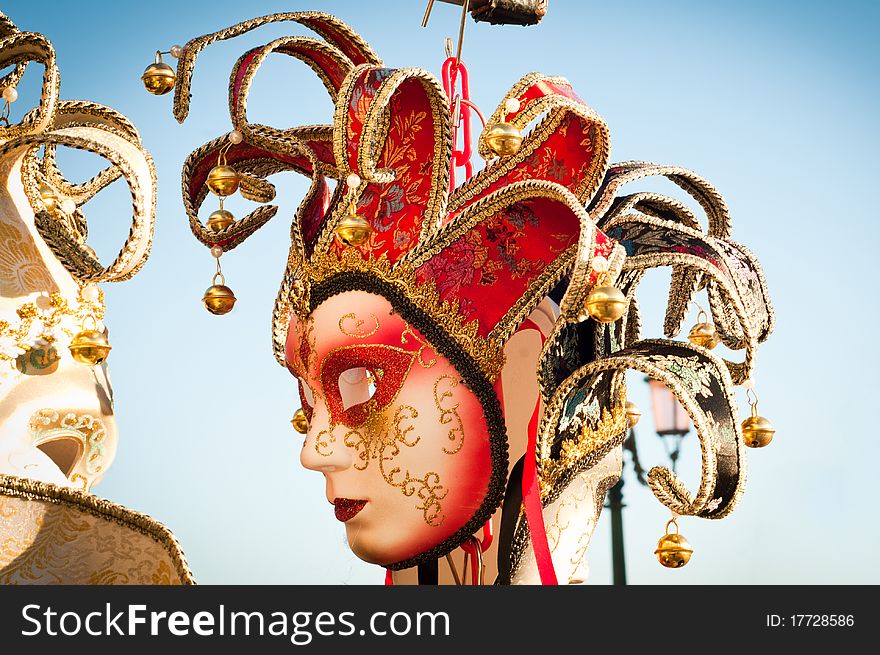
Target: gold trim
(725, 284)
(49, 319)
(22, 47)
(8, 28)
(488, 353)
(573, 453)
(488, 206)
(666, 486)
(375, 123)
(270, 141)
(314, 20)
(703, 192)
(238, 104)
(557, 108)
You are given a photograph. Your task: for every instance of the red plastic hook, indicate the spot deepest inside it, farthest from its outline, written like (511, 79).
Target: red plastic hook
(453, 73)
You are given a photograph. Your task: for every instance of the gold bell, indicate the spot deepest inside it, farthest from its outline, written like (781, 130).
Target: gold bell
(299, 421)
(673, 551)
(633, 413)
(757, 431)
(218, 299)
(223, 180)
(49, 198)
(159, 77)
(353, 230)
(504, 139)
(704, 333)
(606, 303)
(89, 347)
(220, 220)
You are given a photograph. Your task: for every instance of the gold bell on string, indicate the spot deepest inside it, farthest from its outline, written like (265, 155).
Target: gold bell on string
(673, 550)
(504, 139)
(353, 229)
(218, 298)
(220, 220)
(90, 347)
(299, 421)
(223, 180)
(605, 303)
(704, 333)
(633, 413)
(158, 77)
(757, 430)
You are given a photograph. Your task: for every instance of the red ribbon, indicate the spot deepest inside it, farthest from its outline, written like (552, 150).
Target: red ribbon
(531, 492)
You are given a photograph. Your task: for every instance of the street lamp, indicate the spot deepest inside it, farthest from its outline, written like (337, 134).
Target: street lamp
(671, 423)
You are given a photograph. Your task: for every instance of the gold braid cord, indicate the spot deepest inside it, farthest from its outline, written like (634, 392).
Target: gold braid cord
(332, 29)
(84, 126)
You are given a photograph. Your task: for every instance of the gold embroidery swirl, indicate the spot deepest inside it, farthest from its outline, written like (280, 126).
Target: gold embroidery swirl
(357, 331)
(381, 439)
(449, 414)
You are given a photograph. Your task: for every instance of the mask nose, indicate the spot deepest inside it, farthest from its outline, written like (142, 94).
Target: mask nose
(323, 449)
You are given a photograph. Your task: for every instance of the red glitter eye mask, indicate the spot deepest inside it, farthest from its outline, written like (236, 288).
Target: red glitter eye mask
(389, 367)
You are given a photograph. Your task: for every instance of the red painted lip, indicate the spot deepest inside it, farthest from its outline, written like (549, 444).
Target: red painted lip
(346, 508)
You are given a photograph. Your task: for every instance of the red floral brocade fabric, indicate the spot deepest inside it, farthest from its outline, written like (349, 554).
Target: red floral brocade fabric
(490, 266)
(395, 210)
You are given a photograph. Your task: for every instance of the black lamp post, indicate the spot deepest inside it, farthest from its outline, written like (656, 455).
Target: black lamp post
(671, 423)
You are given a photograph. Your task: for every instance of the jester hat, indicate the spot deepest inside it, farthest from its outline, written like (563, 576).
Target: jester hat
(466, 266)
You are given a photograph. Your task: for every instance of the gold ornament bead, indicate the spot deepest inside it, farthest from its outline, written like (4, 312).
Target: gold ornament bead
(158, 78)
(633, 413)
(50, 200)
(757, 430)
(705, 335)
(300, 422)
(606, 303)
(219, 299)
(673, 551)
(504, 139)
(89, 347)
(353, 230)
(223, 180)
(220, 220)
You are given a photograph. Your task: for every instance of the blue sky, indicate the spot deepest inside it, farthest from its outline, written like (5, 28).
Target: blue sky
(775, 103)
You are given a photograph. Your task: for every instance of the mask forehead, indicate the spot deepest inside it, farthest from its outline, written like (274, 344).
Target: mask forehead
(353, 319)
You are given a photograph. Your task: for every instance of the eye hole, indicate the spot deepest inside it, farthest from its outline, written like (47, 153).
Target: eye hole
(356, 386)
(307, 393)
(379, 374)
